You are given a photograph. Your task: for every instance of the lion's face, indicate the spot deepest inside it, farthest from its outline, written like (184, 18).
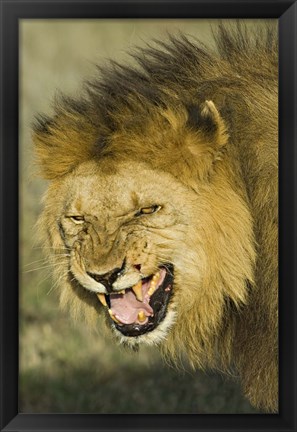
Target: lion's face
(128, 236)
(155, 255)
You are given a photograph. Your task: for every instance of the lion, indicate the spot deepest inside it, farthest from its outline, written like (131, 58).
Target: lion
(162, 206)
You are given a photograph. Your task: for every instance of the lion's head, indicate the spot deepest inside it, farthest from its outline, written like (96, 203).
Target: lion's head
(152, 232)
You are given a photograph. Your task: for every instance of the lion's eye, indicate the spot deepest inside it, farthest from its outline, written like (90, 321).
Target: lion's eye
(148, 210)
(77, 219)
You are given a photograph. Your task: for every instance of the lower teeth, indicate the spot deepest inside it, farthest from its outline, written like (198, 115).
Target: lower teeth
(141, 316)
(113, 317)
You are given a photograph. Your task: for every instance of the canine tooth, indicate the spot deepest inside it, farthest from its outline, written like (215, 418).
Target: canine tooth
(138, 291)
(122, 292)
(141, 316)
(102, 298)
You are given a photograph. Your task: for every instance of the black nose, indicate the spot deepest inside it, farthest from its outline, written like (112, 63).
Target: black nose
(107, 279)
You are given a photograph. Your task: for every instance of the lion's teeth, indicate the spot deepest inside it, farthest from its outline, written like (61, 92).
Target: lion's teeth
(156, 277)
(138, 291)
(153, 284)
(122, 292)
(102, 299)
(141, 316)
(152, 288)
(113, 317)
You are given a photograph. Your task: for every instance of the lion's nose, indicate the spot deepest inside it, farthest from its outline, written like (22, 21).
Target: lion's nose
(107, 279)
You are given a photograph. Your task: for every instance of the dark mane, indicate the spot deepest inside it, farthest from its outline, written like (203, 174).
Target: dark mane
(181, 69)
(236, 44)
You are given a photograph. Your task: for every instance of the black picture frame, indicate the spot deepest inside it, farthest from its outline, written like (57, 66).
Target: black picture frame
(11, 13)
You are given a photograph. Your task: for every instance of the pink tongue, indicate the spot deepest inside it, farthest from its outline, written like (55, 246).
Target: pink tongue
(126, 307)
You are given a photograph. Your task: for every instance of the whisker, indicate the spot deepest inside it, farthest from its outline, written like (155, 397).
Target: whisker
(47, 276)
(51, 265)
(34, 262)
(51, 247)
(45, 260)
(56, 284)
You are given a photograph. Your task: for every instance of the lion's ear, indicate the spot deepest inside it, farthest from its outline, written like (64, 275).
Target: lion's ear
(62, 143)
(207, 135)
(206, 120)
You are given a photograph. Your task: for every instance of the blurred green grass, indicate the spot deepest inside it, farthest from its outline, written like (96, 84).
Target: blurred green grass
(65, 368)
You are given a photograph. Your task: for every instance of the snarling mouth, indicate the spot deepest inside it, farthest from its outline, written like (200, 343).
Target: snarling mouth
(140, 308)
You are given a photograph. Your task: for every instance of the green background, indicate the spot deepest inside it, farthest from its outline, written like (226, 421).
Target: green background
(64, 367)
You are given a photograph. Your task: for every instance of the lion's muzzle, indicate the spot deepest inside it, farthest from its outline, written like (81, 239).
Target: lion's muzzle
(109, 278)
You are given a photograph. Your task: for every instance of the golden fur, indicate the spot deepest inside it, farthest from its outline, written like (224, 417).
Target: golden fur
(201, 140)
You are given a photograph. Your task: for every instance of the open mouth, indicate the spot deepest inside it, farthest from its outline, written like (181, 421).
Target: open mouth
(140, 308)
